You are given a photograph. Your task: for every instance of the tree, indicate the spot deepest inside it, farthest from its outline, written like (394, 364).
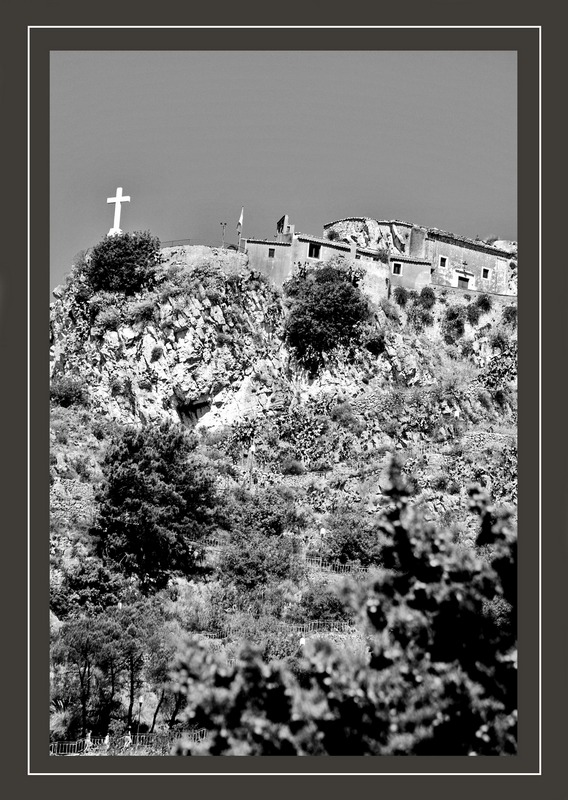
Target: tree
(157, 500)
(326, 310)
(124, 262)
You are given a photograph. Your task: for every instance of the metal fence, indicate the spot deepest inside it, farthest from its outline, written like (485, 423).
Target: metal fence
(121, 744)
(323, 565)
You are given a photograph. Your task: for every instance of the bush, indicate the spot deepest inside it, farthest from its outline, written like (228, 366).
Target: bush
(253, 560)
(453, 326)
(427, 297)
(501, 397)
(498, 340)
(473, 313)
(344, 415)
(141, 311)
(67, 391)
(389, 310)
(485, 303)
(419, 317)
(157, 353)
(124, 263)
(484, 399)
(400, 296)
(290, 466)
(440, 483)
(510, 315)
(327, 310)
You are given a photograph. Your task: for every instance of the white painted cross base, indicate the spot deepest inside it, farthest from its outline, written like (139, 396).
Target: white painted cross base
(114, 232)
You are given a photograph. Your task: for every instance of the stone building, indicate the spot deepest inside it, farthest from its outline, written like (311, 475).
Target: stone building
(421, 256)
(394, 253)
(277, 257)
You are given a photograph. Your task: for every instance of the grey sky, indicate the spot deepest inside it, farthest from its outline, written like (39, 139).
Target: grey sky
(428, 137)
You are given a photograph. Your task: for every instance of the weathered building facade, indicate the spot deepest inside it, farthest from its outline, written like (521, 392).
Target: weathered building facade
(421, 256)
(394, 253)
(276, 258)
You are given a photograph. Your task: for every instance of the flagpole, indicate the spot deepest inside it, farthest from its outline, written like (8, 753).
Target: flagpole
(240, 227)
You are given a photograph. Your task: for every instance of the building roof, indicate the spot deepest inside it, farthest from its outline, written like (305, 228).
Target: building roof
(307, 237)
(266, 241)
(437, 233)
(408, 259)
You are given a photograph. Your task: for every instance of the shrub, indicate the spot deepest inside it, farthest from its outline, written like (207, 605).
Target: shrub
(484, 399)
(440, 483)
(253, 560)
(389, 310)
(453, 323)
(473, 313)
(400, 296)
(510, 315)
(157, 353)
(141, 311)
(327, 310)
(467, 348)
(68, 391)
(485, 303)
(223, 338)
(427, 297)
(501, 397)
(419, 317)
(498, 339)
(124, 263)
(344, 415)
(291, 466)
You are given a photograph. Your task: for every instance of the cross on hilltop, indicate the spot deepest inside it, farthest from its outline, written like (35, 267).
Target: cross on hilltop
(120, 198)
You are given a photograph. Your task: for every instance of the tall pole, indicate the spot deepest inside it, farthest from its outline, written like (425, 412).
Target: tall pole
(223, 226)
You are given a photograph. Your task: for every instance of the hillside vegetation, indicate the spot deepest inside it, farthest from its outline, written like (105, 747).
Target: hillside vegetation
(289, 518)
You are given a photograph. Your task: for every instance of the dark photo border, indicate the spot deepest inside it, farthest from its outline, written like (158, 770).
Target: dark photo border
(445, 775)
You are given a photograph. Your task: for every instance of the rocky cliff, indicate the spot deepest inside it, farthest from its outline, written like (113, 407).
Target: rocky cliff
(205, 347)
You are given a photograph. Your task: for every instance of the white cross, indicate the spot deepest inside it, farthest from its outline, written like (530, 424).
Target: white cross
(117, 200)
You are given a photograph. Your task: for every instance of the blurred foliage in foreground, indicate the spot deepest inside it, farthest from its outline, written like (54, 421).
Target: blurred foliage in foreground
(439, 676)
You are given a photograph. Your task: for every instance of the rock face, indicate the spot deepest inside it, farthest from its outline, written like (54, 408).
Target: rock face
(209, 352)
(207, 348)
(366, 232)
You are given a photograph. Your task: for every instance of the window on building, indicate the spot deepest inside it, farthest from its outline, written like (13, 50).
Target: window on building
(358, 258)
(484, 272)
(443, 261)
(397, 269)
(432, 270)
(271, 251)
(314, 250)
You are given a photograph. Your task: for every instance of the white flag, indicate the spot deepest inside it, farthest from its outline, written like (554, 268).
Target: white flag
(240, 222)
